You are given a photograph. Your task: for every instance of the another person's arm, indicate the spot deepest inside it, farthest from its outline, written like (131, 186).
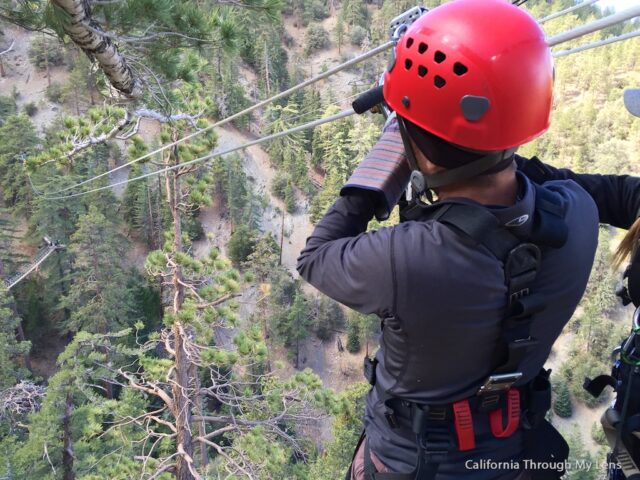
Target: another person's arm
(617, 196)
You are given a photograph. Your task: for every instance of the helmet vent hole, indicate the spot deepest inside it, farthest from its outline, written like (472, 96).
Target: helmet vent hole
(422, 71)
(407, 64)
(409, 42)
(459, 69)
(422, 48)
(439, 57)
(439, 82)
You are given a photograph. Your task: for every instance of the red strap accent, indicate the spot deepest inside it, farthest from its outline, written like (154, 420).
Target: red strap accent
(464, 425)
(513, 414)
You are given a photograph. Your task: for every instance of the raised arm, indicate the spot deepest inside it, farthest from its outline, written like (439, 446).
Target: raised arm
(617, 196)
(346, 264)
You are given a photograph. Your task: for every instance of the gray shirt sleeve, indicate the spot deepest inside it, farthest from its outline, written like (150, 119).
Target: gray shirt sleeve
(347, 264)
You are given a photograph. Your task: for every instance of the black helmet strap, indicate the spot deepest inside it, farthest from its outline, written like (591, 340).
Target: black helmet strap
(449, 176)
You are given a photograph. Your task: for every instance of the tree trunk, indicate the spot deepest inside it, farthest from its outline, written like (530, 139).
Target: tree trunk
(266, 66)
(151, 237)
(182, 384)
(85, 32)
(281, 234)
(202, 427)
(182, 405)
(21, 337)
(46, 59)
(67, 441)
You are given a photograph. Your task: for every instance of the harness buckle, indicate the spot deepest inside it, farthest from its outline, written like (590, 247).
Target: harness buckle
(435, 444)
(391, 418)
(499, 383)
(518, 295)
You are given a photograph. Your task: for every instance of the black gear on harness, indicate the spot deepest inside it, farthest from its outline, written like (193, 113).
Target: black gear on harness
(435, 426)
(621, 422)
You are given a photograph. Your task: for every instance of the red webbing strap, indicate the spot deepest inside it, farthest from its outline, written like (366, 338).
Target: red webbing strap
(464, 425)
(513, 416)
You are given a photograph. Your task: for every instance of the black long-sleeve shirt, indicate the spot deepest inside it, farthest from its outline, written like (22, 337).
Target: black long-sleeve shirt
(616, 196)
(442, 302)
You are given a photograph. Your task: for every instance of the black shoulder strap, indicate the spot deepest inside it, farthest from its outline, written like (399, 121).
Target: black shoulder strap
(479, 224)
(549, 228)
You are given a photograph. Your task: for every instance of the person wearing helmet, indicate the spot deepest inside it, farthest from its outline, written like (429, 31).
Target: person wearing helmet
(473, 290)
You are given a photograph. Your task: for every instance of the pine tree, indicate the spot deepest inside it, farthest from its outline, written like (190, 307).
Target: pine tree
(98, 297)
(328, 317)
(241, 244)
(578, 454)
(562, 406)
(298, 323)
(264, 258)
(287, 152)
(338, 32)
(19, 140)
(13, 351)
(353, 333)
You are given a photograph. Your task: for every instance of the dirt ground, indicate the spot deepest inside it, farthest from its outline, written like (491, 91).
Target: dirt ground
(29, 83)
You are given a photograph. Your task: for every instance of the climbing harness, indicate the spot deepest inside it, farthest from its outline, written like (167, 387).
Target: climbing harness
(439, 429)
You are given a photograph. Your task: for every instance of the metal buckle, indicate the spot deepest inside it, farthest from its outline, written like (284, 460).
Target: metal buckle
(499, 383)
(435, 444)
(518, 295)
(391, 418)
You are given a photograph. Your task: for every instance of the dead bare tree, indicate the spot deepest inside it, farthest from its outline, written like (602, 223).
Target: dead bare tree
(19, 401)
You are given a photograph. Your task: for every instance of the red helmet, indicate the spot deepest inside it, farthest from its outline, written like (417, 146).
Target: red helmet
(476, 73)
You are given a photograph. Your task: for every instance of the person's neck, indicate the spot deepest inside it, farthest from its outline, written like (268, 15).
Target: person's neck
(501, 190)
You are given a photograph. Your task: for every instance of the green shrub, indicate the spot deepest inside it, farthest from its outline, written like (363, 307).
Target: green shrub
(192, 227)
(7, 108)
(242, 244)
(319, 10)
(30, 109)
(55, 91)
(45, 50)
(316, 38)
(357, 35)
(278, 186)
(353, 334)
(290, 198)
(597, 433)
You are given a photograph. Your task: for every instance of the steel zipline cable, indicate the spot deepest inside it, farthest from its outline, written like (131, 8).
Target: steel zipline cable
(600, 43)
(354, 61)
(552, 41)
(594, 26)
(300, 128)
(294, 89)
(567, 10)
